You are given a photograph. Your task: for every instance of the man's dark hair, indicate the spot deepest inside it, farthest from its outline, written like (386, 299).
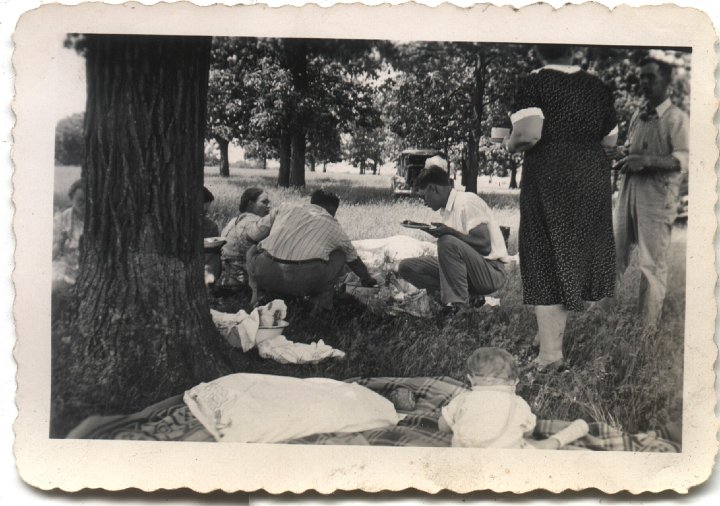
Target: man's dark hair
(207, 196)
(664, 68)
(432, 175)
(553, 51)
(325, 199)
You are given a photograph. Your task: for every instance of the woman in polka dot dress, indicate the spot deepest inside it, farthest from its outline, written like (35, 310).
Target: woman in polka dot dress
(563, 119)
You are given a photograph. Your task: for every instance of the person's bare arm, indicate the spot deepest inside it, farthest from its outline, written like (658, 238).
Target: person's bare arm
(260, 229)
(361, 270)
(443, 425)
(478, 237)
(525, 134)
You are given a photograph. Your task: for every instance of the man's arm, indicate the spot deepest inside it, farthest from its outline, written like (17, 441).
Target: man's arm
(260, 229)
(361, 270)
(637, 163)
(478, 237)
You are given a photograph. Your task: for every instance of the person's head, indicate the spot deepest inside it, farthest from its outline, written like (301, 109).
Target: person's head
(255, 201)
(77, 196)
(554, 53)
(655, 78)
(325, 199)
(208, 197)
(434, 185)
(492, 366)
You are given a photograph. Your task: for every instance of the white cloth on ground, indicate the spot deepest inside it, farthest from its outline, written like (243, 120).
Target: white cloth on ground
(241, 331)
(376, 252)
(260, 408)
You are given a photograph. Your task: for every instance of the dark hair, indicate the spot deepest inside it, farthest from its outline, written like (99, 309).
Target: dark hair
(207, 196)
(432, 175)
(248, 197)
(664, 68)
(77, 185)
(553, 51)
(325, 199)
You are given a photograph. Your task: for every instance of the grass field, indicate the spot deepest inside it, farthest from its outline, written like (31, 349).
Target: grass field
(621, 373)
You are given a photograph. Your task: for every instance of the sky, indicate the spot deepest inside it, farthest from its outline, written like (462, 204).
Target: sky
(71, 89)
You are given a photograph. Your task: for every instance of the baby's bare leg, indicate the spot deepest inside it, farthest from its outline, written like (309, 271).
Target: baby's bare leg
(572, 432)
(544, 444)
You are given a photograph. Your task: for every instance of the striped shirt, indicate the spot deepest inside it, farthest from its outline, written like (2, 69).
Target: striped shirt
(305, 232)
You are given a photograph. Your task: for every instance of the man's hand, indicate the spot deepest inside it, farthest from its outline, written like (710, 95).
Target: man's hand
(440, 229)
(368, 282)
(633, 163)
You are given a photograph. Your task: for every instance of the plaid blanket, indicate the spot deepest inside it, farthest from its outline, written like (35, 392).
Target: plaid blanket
(171, 420)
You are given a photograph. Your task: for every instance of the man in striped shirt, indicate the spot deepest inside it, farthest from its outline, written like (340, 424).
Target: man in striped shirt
(304, 251)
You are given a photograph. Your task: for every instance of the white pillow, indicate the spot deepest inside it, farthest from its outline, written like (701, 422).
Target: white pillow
(262, 408)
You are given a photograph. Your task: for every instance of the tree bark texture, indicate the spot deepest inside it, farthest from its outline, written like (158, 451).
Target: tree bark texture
(223, 144)
(285, 150)
(471, 174)
(144, 325)
(513, 178)
(297, 61)
(297, 158)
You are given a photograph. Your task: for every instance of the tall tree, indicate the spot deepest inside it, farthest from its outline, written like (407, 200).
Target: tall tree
(144, 330)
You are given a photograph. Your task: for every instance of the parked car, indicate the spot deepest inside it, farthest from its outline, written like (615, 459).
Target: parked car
(409, 164)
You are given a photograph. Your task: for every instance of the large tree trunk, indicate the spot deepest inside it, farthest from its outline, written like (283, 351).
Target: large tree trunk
(144, 326)
(264, 161)
(297, 59)
(470, 174)
(312, 162)
(224, 162)
(284, 172)
(513, 178)
(475, 131)
(297, 158)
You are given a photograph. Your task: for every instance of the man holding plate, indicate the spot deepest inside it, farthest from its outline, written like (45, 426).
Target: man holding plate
(471, 250)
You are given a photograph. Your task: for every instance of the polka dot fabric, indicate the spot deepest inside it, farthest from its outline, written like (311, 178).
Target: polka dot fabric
(567, 251)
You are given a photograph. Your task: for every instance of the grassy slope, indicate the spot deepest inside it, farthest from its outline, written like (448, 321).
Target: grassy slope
(622, 374)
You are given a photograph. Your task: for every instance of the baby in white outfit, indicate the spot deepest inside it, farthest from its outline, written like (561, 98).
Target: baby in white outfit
(491, 415)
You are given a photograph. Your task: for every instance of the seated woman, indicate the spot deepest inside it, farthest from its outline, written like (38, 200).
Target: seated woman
(254, 205)
(67, 232)
(210, 229)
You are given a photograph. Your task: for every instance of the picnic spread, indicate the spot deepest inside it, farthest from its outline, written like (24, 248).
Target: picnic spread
(418, 401)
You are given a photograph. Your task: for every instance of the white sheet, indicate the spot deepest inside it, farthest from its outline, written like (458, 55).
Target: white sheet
(260, 408)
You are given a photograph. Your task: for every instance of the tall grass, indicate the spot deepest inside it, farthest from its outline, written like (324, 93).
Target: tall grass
(621, 373)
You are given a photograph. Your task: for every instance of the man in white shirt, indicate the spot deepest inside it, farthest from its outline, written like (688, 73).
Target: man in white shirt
(471, 249)
(649, 195)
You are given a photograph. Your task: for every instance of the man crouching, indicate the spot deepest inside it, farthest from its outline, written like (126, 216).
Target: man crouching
(304, 251)
(471, 249)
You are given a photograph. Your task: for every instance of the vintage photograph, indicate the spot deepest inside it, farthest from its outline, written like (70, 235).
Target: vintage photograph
(471, 244)
(369, 242)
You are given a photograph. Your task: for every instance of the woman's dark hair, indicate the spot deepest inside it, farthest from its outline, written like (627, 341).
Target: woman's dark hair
(207, 196)
(553, 51)
(248, 197)
(325, 199)
(77, 185)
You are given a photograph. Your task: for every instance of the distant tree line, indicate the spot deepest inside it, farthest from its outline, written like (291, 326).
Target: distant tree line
(310, 102)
